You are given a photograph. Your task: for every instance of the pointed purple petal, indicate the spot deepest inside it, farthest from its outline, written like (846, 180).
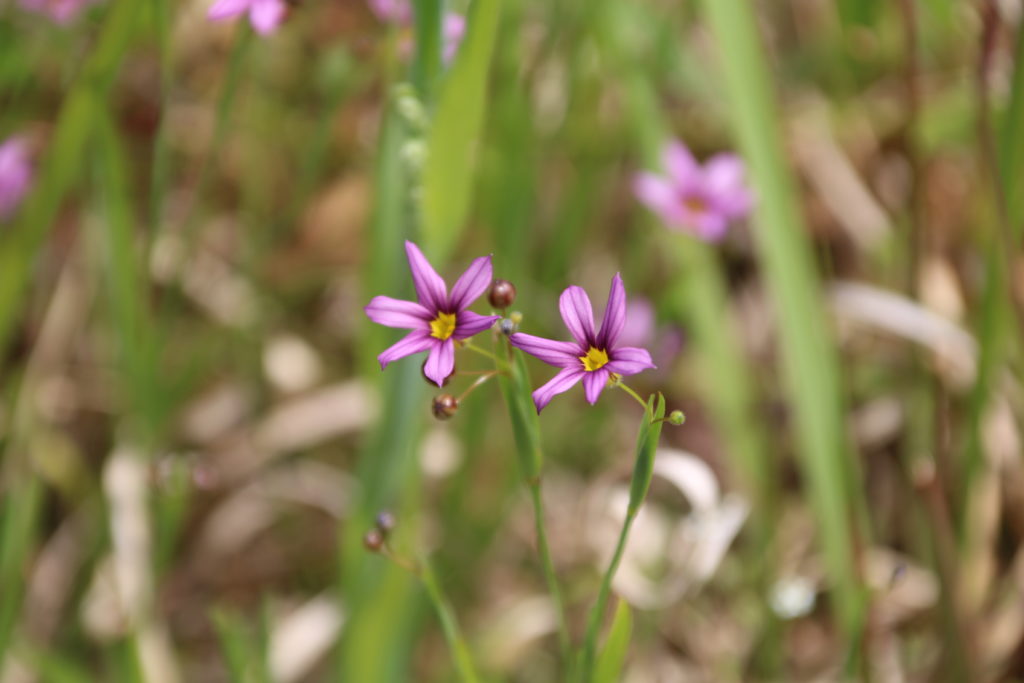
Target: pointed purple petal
(561, 382)
(679, 163)
(225, 9)
(578, 314)
(629, 360)
(384, 310)
(266, 15)
(440, 362)
(453, 31)
(471, 284)
(614, 314)
(558, 353)
(710, 226)
(430, 288)
(469, 323)
(414, 342)
(594, 383)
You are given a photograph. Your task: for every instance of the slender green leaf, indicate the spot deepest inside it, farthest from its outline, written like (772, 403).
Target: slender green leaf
(456, 130)
(610, 661)
(810, 368)
(646, 447)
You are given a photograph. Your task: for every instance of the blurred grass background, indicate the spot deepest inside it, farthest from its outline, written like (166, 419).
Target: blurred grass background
(196, 435)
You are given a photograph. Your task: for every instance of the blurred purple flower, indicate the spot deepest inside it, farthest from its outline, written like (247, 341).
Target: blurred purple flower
(15, 175)
(437, 319)
(592, 357)
(264, 15)
(399, 13)
(701, 199)
(61, 11)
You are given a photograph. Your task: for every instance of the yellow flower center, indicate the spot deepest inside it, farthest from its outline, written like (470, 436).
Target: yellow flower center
(695, 204)
(443, 326)
(595, 359)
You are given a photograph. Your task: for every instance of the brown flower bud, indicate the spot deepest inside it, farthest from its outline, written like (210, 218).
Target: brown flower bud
(444, 406)
(502, 294)
(373, 540)
(385, 522)
(423, 371)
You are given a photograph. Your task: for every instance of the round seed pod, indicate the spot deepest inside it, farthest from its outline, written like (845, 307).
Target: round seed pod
(373, 540)
(444, 406)
(502, 294)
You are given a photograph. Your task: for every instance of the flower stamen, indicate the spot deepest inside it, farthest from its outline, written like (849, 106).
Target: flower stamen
(595, 359)
(443, 326)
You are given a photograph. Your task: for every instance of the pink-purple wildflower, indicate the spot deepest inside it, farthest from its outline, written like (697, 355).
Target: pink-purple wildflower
(15, 175)
(61, 11)
(689, 196)
(399, 13)
(264, 15)
(437, 319)
(593, 357)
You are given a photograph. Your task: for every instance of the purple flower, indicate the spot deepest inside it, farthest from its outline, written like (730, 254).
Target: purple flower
(701, 199)
(437, 319)
(592, 357)
(399, 13)
(15, 175)
(61, 11)
(264, 15)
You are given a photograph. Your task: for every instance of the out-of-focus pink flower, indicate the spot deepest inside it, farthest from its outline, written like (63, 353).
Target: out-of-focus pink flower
(696, 198)
(438, 318)
(264, 15)
(453, 31)
(15, 175)
(593, 357)
(61, 11)
(399, 13)
(392, 11)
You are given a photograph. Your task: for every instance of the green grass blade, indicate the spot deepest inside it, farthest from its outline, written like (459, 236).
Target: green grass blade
(810, 367)
(1012, 142)
(610, 661)
(456, 130)
(63, 162)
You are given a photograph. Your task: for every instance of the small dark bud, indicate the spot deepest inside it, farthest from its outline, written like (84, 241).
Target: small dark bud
(676, 417)
(373, 540)
(385, 522)
(423, 371)
(444, 406)
(508, 326)
(502, 294)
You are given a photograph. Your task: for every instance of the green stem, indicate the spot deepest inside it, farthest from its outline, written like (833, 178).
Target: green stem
(594, 624)
(449, 624)
(499, 364)
(548, 566)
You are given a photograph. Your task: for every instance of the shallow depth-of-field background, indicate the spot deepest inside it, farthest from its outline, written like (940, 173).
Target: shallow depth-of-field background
(196, 435)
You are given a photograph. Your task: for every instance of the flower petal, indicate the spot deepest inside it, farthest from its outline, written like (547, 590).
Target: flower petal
(384, 310)
(724, 182)
(469, 323)
(614, 314)
(710, 226)
(578, 314)
(430, 288)
(679, 163)
(225, 9)
(453, 30)
(414, 342)
(629, 360)
(558, 353)
(561, 382)
(440, 362)
(266, 15)
(594, 383)
(471, 284)
(658, 194)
